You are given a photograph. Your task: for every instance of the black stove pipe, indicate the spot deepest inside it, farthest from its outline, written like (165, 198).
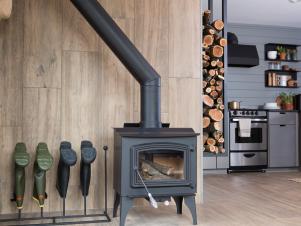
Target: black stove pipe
(131, 58)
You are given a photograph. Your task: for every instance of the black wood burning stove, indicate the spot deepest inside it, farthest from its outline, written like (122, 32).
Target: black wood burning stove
(160, 159)
(166, 160)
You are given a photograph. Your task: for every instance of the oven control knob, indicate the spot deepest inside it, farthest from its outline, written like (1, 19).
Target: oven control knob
(256, 112)
(234, 112)
(252, 112)
(243, 113)
(247, 113)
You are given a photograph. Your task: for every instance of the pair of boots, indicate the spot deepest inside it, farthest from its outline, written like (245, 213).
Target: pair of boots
(68, 158)
(43, 162)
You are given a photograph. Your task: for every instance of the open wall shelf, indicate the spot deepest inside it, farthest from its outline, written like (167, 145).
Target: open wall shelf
(273, 47)
(293, 75)
(272, 76)
(283, 71)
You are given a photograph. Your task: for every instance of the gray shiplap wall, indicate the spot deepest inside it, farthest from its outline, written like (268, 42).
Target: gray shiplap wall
(248, 84)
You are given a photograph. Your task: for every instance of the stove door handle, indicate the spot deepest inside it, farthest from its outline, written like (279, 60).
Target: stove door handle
(249, 155)
(252, 120)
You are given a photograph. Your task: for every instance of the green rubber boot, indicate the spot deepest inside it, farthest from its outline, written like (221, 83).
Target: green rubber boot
(21, 159)
(43, 163)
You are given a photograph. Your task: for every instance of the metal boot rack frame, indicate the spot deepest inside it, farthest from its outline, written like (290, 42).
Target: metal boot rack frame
(64, 219)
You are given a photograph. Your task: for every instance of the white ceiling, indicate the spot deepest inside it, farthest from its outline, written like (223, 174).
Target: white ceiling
(265, 12)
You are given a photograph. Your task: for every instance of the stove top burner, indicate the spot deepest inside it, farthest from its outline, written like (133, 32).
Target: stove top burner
(253, 113)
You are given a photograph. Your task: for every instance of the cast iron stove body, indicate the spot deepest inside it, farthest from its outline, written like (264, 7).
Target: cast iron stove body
(139, 149)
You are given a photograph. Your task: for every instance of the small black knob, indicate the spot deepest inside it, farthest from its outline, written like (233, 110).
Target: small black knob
(243, 113)
(105, 148)
(235, 112)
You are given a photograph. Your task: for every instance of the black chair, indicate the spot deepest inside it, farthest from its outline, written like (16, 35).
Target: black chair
(68, 158)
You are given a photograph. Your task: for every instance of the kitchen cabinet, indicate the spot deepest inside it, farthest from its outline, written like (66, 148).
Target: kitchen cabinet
(283, 139)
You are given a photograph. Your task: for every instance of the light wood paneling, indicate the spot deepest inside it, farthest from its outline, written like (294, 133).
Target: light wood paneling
(74, 88)
(183, 100)
(121, 9)
(11, 45)
(151, 20)
(77, 33)
(184, 38)
(185, 111)
(117, 95)
(42, 43)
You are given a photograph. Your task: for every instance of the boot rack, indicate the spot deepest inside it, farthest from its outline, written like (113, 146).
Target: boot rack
(64, 219)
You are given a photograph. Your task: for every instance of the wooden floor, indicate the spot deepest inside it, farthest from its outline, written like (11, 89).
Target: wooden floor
(242, 199)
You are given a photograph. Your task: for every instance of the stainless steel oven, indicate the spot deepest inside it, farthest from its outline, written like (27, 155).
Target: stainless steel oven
(257, 140)
(248, 153)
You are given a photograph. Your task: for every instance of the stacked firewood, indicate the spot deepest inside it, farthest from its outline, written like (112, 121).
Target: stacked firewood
(213, 77)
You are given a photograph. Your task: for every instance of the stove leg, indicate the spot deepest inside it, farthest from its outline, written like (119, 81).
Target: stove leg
(125, 204)
(116, 204)
(190, 203)
(179, 203)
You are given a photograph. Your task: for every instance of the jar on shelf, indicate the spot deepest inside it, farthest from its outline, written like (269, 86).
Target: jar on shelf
(293, 54)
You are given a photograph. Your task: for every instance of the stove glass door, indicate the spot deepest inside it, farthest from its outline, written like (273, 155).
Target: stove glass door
(161, 165)
(161, 162)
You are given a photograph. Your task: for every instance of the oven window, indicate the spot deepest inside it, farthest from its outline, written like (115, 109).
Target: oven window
(161, 165)
(256, 136)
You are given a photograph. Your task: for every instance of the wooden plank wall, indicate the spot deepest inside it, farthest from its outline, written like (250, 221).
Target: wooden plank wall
(58, 81)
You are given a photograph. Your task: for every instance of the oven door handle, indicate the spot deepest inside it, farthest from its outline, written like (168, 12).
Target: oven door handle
(253, 120)
(249, 155)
